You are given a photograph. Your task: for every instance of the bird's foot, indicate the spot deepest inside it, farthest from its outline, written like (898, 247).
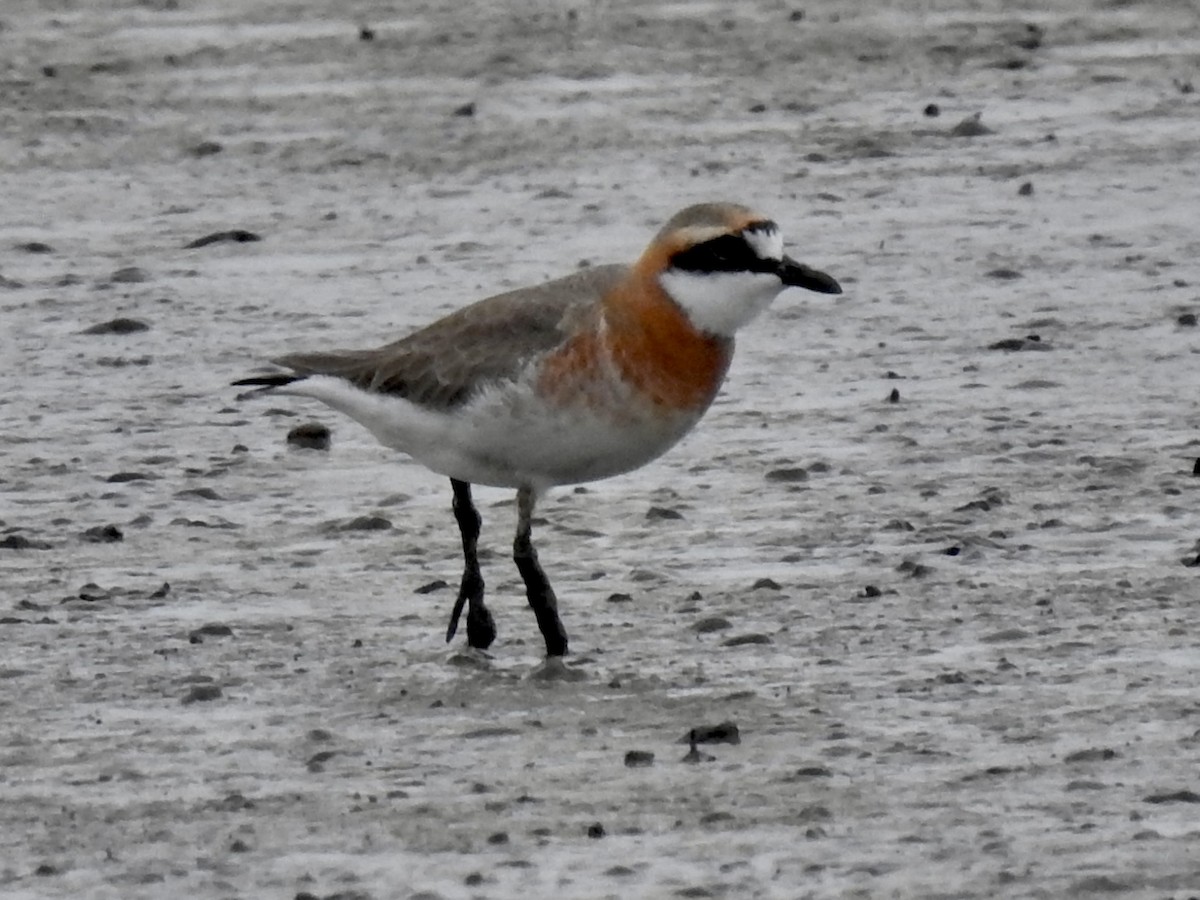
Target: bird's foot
(481, 627)
(553, 668)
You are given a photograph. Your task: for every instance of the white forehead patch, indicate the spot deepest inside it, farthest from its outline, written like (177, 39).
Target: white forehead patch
(766, 242)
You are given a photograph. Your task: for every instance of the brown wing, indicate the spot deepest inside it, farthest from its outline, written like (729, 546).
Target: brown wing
(444, 364)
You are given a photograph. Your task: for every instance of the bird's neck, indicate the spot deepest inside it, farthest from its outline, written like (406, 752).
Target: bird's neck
(657, 349)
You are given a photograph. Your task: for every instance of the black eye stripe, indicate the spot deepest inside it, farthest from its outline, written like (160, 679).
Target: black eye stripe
(727, 253)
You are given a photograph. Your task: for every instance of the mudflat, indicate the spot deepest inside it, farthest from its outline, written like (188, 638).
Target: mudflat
(933, 552)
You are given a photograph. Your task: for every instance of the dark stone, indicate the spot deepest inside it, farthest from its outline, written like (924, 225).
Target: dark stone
(310, 436)
(656, 513)
(790, 474)
(932, 110)
(214, 629)
(236, 236)
(201, 693)
(103, 534)
(637, 759)
(1093, 754)
(722, 733)
(744, 639)
(595, 831)
(435, 585)
(35, 247)
(206, 148)
(119, 325)
(971, 126)
(20, 542)
(129, 275)
(368, 523)
(123, 477)
(1184, 796)
(466, 111)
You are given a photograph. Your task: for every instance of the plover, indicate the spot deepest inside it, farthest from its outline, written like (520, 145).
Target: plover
(577, 379)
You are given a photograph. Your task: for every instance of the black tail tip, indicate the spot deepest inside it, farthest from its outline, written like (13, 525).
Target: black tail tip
(266, 381)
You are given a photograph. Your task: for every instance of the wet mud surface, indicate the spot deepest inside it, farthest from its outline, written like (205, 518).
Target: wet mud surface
(933, 552)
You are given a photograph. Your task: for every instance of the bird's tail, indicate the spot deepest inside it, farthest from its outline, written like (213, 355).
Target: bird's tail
(265, 383)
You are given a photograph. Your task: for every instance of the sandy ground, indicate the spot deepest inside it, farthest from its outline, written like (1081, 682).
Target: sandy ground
(956, 632)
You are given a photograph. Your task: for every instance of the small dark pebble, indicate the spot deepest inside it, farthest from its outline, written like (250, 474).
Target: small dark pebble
(767, 584)
(20, 542)
(1187, 320)
(791, 474)
(310, 436)
(914, 569)
(437, 584)
(1004, 274)
(637, 759)
(1184, 796)
(201, 693)
(595, 830)
(932, 110)
(723, 733)
(316, 762)
(45, 870)
(971, 126)
(500, 837)
(161, 591)
(813, 772)
(1032, 342)
(473, 879)
(368, 523)
(872, 591)
(35, 247)
(122, 477)
(619, 597)
(894, 396)
(656, 513)
(239, 846)
(235, 235)
(202, 493)
(206, 148)
(214, 629)
(711, 624)
(465, 111)
(119, 325)
(103, 534)
(1025, 190)
(92, 592)
(366, 33)
(1196, 467)
(758, 108)
(743, 640)
(129, 275)
(1094, 754)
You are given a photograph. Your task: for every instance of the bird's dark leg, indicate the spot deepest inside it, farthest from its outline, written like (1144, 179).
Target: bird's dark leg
(481, 629)
(537, 586)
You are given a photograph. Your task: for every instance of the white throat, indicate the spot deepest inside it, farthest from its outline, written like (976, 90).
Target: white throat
(721, 302)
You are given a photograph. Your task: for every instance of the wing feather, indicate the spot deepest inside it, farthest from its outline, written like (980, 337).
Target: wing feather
(444, 364)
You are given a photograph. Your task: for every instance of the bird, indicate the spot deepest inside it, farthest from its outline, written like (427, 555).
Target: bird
(581, 378)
